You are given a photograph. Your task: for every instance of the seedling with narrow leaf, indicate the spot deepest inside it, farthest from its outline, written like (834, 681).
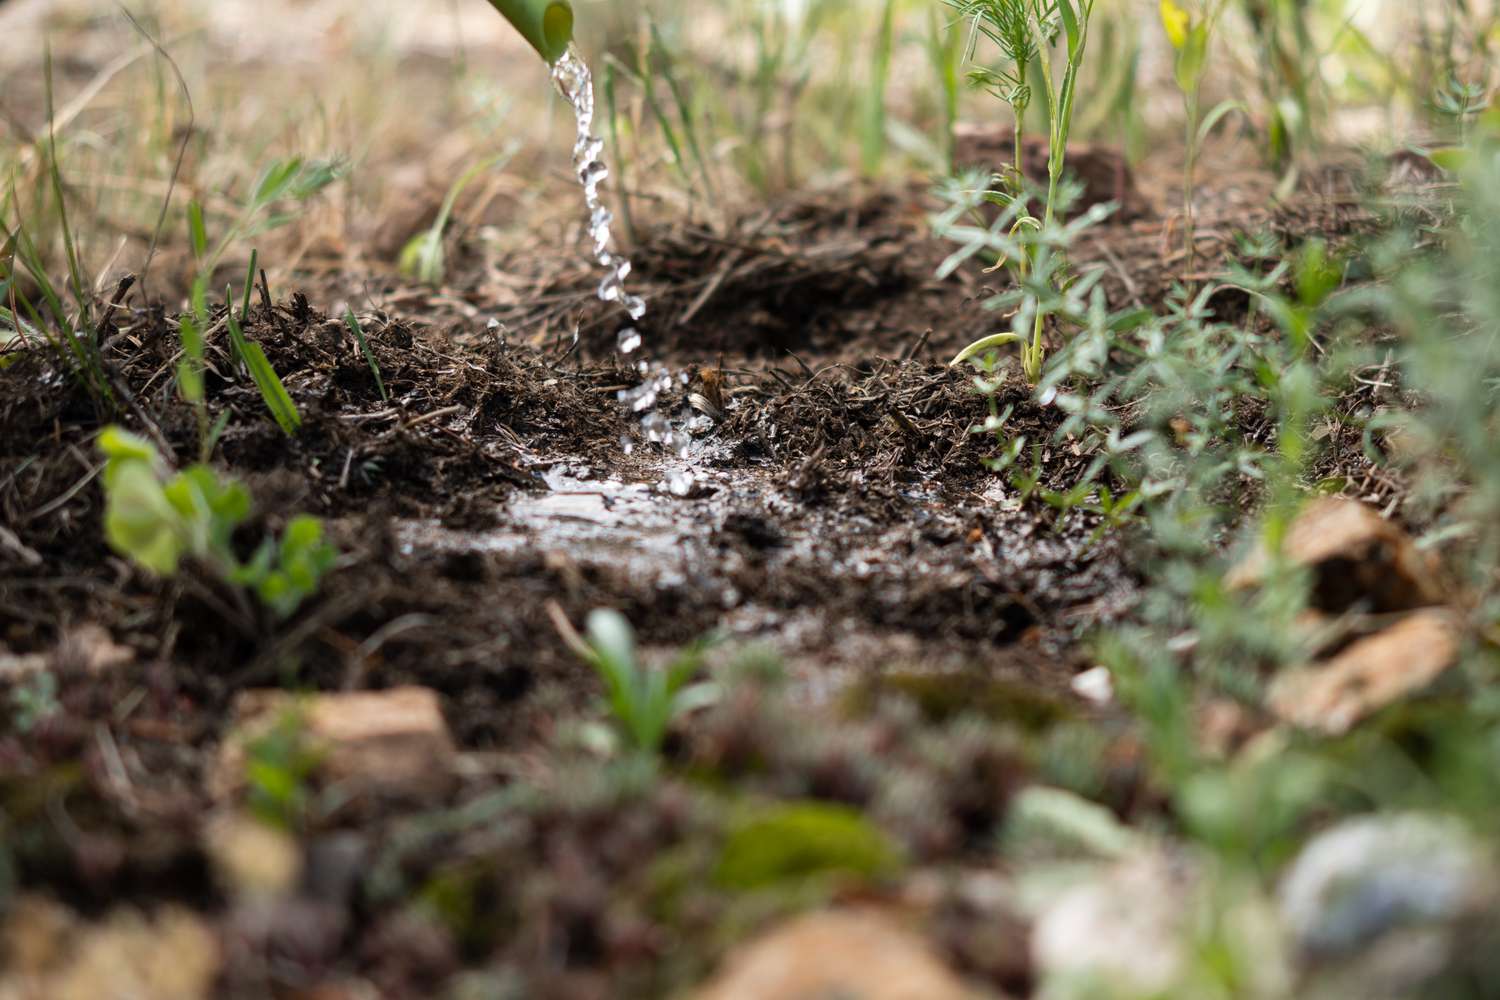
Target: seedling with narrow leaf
(643, 700)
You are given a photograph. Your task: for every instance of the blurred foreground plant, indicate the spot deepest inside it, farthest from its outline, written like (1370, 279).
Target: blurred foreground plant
(644, 700)
(156, 521)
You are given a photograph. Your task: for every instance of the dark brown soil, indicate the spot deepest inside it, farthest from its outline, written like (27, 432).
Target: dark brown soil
(843, 518)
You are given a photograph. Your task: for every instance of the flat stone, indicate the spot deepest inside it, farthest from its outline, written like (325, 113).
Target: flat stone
(1370, 674)
(392, 742)
(51, 952)
(837, 953)
(1357, 557)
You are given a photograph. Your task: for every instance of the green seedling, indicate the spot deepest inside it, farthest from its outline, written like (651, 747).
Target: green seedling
(279, 765)
(1026, 32)
(69, 335)
(291, 182)
(272, 392)
(364, 348)
(34, 700)
(159, 520)
(423, 257)
(643, 700)
(1190, 30)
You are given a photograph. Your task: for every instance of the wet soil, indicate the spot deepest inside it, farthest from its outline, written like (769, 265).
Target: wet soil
(842, 515)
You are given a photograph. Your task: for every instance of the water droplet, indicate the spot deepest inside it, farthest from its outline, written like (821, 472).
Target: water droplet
(681, 482)
(678, 442)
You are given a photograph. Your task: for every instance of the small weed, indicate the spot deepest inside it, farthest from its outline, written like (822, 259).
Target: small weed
(797, 841)
(278, 766)
(644, 701)
(424, 257)
(1025, 31)
(1190, 31)
(158, 521)
(34, 700)
(272, 392)
(352, 322)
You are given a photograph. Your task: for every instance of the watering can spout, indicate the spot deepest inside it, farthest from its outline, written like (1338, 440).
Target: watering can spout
(546, 24)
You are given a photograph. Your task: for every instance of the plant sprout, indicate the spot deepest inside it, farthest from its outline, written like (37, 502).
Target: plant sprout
(1189, 30)
(1027, 30)
(644, 700)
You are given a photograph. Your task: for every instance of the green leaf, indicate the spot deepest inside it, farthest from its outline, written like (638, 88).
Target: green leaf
(139, 521)
(1210, 120)
(118, 444)
(985, 344)
(1191, 57)
(1453, 159)
(272, 392)
(197, 234)
(1070, 26)
(275, 180)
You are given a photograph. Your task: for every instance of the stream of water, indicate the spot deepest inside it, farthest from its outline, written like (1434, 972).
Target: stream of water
(575, 83)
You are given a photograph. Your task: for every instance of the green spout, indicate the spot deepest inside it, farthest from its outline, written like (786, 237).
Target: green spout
(546, 24)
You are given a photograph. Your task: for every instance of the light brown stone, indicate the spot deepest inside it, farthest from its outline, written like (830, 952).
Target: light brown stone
(393, 742)
(130, 954)
(1357, 556)
(1370, 674)
(839, 953)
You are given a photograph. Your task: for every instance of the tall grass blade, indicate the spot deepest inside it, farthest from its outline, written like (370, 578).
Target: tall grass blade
(249, 284)
(872, 144)
(684, 113)
(364, 348)
(278, 401)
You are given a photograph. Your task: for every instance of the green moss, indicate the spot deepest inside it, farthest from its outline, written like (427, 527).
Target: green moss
(802, 841)
(943, 697)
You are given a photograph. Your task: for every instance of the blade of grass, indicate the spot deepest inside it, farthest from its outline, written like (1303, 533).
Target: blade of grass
(278, 401)
(684, 114)
(872, 145)
(611, 67)
(249, 284)
(197, 234)
(359, 336)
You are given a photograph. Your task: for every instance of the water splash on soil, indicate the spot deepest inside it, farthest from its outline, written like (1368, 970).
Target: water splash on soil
(575, 82)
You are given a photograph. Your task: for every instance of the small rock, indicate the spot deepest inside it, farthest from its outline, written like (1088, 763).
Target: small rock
(169, 954)
(1370, 674)
(1375, 874)
(1096, 686)
(842, 953)
(1127, 928)
(251, 857)
(1404, 905)
(1357, 557)
(393, 742)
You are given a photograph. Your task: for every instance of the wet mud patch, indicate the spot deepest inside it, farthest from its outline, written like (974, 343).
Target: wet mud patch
(840, 516)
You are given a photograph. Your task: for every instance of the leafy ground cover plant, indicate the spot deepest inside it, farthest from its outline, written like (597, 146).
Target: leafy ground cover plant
(158, 521)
